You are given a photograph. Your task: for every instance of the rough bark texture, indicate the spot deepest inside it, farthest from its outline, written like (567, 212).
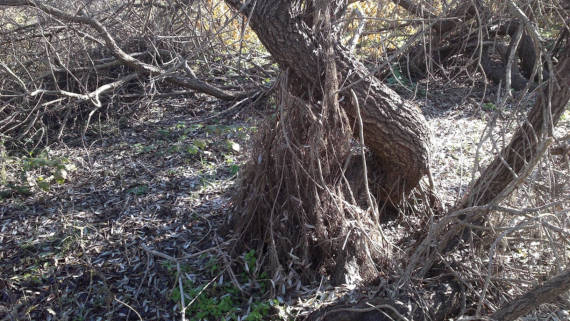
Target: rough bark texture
(525, 51)
(454, 36)
(527, 141)
(542, 294)
(395, 130)
(496, 71)
(448, 36)
(443, 305)
(293, 199)
(377, 309)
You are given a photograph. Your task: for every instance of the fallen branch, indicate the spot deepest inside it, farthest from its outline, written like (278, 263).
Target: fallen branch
(92, 96)
(539, 295)
(132, 62)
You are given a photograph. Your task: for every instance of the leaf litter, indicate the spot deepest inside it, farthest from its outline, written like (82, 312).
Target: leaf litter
(138, 219)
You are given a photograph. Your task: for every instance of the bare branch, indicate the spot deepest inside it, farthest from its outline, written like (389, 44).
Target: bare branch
(94, 95)
(541, 294)
(129, 60)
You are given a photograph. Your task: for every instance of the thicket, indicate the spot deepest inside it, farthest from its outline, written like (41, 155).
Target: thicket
(345, 146)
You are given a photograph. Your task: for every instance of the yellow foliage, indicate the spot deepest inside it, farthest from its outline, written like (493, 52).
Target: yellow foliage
(382, 30)
(228, 26)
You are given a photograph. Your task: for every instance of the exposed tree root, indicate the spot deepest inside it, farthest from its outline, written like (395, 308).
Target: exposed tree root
(293, 198)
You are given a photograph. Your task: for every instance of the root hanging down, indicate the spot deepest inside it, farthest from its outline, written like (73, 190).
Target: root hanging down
(296, 202)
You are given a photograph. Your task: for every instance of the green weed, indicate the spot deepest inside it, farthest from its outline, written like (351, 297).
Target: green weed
(138, 190)
(489, 107)
(31, 173)
(398, 79)
(221, 301)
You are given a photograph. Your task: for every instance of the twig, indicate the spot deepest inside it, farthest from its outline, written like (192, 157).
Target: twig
(130, 307)
(125, 58)
(364, 168)
(178, 273)
(93, 96)
(202, 290)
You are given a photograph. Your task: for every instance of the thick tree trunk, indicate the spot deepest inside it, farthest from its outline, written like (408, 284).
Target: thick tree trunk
(448, 36)
(496, 71)
(294, 193)
(546, 293)
(394, 130)
(454, 35)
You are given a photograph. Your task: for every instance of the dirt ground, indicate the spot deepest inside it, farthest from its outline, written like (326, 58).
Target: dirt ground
(117, 223)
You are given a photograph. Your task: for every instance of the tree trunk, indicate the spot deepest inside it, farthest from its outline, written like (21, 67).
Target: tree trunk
(498, 180)
(546, 293)
(523, 146)
(394, 130)
(293, 197)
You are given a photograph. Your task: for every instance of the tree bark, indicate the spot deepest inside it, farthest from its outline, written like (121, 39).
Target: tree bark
(394, 130)
(496, 71)
(293, 196)
(517, 159)
(541, 294)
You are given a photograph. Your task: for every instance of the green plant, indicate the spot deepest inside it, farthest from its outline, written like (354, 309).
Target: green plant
(215, 303)
(141, 149)
(32, 171)
(566, 114)
(212, 265)
(234, 169)
(233, 146)
(259, 310)
(138, 190)
(250, 260)
(192, 149)
(489, 107)
(232, 166)
(220, 301)
(397, 77)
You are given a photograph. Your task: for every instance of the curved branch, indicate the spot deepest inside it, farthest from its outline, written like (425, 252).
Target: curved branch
(125, 58)
(539, 295)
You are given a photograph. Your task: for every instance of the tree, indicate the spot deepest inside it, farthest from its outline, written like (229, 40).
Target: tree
(291, 200)
(343, 148)
(295, 193)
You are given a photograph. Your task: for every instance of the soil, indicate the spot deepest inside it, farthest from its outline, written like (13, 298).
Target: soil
(140, 196)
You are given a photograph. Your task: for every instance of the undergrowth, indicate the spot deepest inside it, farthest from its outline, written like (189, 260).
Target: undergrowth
(219, 299)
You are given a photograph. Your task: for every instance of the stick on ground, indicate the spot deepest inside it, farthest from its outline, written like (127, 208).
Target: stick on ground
(544, 293)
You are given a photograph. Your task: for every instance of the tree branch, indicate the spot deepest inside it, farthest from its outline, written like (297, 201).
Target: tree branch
(132, 62)
(535, 297)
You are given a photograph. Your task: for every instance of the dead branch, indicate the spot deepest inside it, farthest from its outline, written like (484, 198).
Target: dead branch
(545, 293)
(92, 96)
(131, 61)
